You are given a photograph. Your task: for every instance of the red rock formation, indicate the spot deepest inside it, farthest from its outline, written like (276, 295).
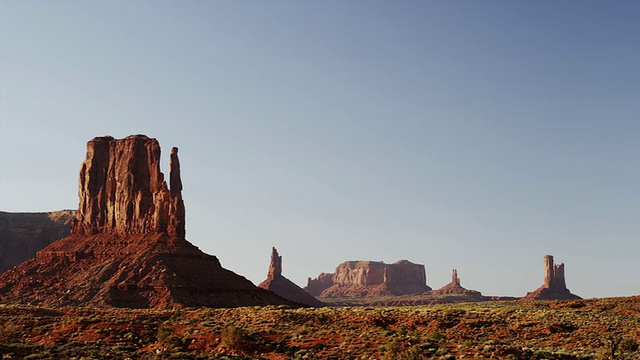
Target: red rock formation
(316, 286)
(122, 190)
(284, 287)
(370, 278)
(455, 288)
(23, 234)
(127, 247)
(554, 286)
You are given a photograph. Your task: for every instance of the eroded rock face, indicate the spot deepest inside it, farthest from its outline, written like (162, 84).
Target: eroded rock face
(316, 286)
(284, 287)
(370, 278)
(554, 286)
(128, 246)
(122, 190)
(24, 234)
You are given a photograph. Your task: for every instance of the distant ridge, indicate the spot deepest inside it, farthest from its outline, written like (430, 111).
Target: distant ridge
(370, 278)
(23, 234)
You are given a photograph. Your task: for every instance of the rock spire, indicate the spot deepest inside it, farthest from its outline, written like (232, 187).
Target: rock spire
(454, 277)
(275, 266)
(284, 287)
(554, 286)
(454, 288)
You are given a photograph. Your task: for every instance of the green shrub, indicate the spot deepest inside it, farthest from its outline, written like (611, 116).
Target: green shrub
(232, 336)
(163, 333)
(10, 332)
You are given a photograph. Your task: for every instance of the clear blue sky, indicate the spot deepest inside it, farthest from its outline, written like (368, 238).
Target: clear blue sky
(477, 135)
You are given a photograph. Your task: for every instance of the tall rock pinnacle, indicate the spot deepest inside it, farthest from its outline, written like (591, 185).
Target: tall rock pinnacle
(454, 288)
(284, 287)
(176, 226)
(554, 286)
(122, 190)
(454, 277)
(275, 266)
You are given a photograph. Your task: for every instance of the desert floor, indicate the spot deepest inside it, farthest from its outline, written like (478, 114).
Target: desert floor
(583, 329)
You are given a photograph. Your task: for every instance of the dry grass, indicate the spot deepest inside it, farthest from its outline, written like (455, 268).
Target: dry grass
(584, 329)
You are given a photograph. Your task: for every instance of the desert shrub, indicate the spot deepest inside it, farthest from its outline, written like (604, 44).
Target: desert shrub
(181, 355)
(414, 353)
(392, 349)
(402, 331)
(614, 346)
(436, 335)
(232, 336)
(173, 342)
(175, 315)
(322, 319)
(163, 333)
(10, 332)
(628, 345)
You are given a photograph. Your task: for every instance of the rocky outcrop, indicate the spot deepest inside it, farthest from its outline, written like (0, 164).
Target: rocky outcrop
(455, 288)
(122, 190)
(127, 246)
(316, 286)
(23, 234)
(370, 278)
(554, 286)
(284, 287)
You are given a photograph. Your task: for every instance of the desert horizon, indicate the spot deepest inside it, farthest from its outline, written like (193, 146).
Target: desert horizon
(319, 180)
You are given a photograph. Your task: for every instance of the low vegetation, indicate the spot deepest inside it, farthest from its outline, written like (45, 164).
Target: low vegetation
(583, 329)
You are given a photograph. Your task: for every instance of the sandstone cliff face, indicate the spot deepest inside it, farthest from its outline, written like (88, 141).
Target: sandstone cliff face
(23, 234)
(127, 247)
(554, 286)
(361, 273)
(370, 278)
(284, 287)
(122, 190)
(316, 286)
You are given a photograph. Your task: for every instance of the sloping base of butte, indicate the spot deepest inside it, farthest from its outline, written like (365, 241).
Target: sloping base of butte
(127, 246)
(138, 271)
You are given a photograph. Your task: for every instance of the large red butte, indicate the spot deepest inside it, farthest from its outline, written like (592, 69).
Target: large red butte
(127, 246)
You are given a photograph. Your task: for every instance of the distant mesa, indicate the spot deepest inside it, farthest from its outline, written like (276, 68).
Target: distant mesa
(370, 278)
(284, 287)
(127, 246)
(554, 287)
(24, 234)
(454, 288)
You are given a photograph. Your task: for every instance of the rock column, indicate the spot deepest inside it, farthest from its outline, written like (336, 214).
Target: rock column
(275, 266)
(549, 280)
(122, 190)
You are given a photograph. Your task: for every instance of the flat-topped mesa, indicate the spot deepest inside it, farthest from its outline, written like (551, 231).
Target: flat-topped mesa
(370, 278)
(22, 235)
(122, 190)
